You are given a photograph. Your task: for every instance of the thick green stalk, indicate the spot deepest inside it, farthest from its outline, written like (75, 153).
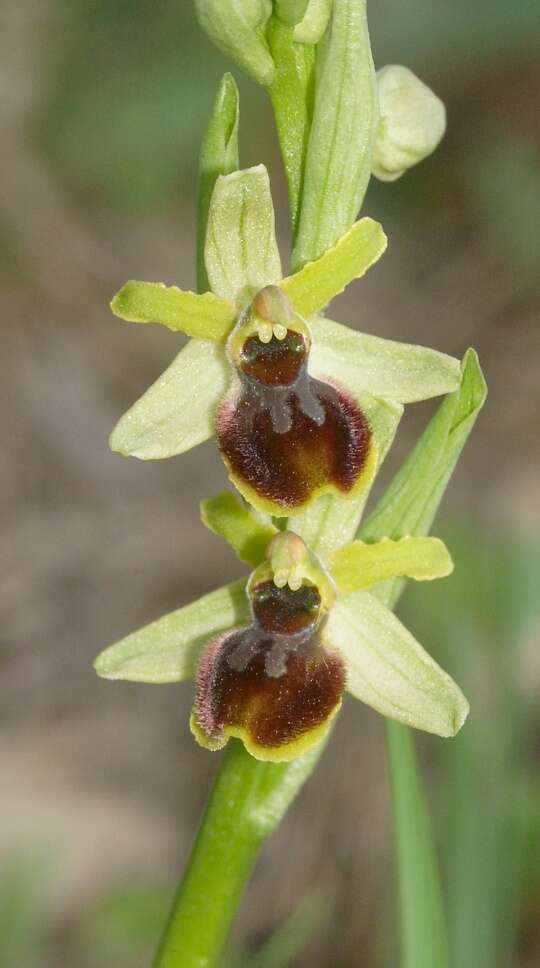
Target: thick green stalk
(246, 804)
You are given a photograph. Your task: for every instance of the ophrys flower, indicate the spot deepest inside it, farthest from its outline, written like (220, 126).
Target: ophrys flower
(273, 658)
(301, 405)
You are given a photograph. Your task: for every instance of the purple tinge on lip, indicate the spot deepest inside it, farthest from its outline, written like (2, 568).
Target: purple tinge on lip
(273, 682)
(286, 436)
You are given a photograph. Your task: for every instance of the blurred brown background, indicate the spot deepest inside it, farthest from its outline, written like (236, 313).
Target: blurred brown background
(103, 105)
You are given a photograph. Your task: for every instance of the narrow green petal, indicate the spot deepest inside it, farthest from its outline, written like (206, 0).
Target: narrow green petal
(234, 27)
(394, 371)
(218, 156)
(331, 522)
(168, 650)
(312, 288)
(390, 671)
(205, 317)
(247, 532)
(359, 565)
(178, 410)
(411, 502)
(342, 136)
(241, 251)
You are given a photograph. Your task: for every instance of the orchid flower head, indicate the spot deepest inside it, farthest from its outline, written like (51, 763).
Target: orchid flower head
(273, 657)
(299, 404)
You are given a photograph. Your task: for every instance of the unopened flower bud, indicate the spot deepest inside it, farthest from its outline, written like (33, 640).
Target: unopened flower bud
(237, 28)
(291, 11)
(412, 122)
(314, 23)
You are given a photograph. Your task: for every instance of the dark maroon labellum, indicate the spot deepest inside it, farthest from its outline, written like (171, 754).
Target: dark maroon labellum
(273, 679)
(285, 435)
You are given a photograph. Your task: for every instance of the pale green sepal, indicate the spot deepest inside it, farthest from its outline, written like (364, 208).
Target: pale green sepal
(331, 522)
(390, 671)
(358, 565)
(205, 317)
(342, 135)
(218, 156)
(411, 502)
(247, 531)
(177, 412)
(312, 288)
(241, 251)
(395, 371)
(169, 649)
(291, 11)
(312, 27)
(235, 26)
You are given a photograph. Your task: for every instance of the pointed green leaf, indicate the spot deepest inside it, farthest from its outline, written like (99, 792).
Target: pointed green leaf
(241, 252)
(390, 671)
(358, 565)
(218, 156)
(178, 410)
(206, 316)
(315, 22)
(169, 649)
(331, 522)
(342, 136)
(234, 26)
(312, 288)
(383, 367)
(247, 532)
(291, 11)
(411, 502)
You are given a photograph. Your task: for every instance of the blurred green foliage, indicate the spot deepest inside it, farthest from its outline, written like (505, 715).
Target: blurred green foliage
(483, 624)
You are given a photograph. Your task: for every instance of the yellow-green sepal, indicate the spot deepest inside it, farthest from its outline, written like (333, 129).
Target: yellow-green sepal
(359, 565)
(219, 155)
(390, 671)
(199, 316)
(385, 368)
(241, 252)
(247, 531)
(169, 649)
(178, 411)
(318, 282)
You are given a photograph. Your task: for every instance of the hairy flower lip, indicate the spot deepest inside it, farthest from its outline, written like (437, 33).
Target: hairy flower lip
(250, 297)
(383, 664)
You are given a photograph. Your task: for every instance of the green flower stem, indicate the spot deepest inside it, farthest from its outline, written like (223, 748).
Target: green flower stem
(246, 804)
(291, 94)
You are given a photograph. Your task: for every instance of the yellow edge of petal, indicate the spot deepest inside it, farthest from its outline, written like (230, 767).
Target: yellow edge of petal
(282, 754)
(278, 511)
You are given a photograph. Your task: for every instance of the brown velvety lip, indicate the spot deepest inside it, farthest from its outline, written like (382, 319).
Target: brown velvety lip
(288, 443)
(273, 710)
